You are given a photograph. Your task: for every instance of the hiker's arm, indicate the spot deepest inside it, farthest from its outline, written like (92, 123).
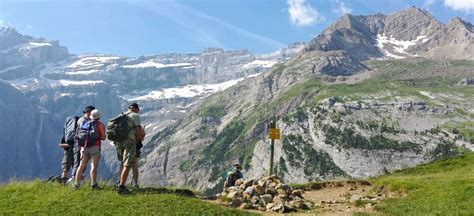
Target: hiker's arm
(63, 143)
(140, 133)
(102, 132)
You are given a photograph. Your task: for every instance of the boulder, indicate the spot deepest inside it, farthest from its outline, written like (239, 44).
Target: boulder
(259, 189)
(246, 196)
(250, 191)
(270, 190)
(280, 208)
(267, 198)
(298, 193)
(297, 204)
(281, 192)
(242, 187)
(231, 195)
(248, 183)
(270, 205)
(239, 181)
(277, 200)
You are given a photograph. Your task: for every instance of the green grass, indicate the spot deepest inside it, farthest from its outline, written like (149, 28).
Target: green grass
(54, 199)
(444, 187)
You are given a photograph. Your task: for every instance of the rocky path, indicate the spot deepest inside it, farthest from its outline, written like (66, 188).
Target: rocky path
(339, 198)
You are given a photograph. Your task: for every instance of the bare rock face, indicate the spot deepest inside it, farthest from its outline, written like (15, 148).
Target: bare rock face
(29, 140)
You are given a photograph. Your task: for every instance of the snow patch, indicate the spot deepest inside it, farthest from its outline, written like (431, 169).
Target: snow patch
(85, 72)
(77, 83)
(188, 91)
(399, 46)
(260, 63)
(90, 61)
(38, 44)
(151, 63)
(10, 68)
(65, 94)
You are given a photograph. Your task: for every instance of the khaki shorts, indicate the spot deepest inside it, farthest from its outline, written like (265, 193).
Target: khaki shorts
(126, 151)
(90, 151)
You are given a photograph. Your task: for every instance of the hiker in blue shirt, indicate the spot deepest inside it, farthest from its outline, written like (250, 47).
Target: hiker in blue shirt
(233, 175)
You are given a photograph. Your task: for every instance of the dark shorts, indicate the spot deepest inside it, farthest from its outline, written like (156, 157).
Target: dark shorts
(68, 160)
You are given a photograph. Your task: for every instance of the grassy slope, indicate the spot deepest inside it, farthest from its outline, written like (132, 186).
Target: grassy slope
(52, 198)
(444, 187)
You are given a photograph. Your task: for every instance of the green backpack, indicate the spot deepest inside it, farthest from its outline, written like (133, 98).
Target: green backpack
(118, 128)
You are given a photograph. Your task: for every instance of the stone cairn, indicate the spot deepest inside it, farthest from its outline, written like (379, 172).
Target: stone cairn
(266, 194)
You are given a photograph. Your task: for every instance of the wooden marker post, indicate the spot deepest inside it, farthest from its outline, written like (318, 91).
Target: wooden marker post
(273, 134)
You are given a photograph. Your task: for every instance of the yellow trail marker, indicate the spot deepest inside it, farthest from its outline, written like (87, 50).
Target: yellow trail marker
(274, 133)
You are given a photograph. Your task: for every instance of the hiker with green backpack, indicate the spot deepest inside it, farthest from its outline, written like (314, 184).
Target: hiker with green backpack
(90, 135)
(124, 130)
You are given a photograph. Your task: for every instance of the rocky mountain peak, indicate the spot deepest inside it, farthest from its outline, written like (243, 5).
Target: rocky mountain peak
(406, 33)
(458, 23)
(213, 49)
(10, 37)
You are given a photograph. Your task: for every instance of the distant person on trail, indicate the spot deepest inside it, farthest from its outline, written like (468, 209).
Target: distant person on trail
(94, 132)
(233, 175)
(126, 148)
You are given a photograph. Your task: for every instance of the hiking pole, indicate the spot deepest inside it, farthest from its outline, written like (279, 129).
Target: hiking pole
(273, 134)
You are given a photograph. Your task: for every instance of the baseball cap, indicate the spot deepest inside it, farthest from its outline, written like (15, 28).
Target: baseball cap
(88, 109)
(95, 115)
(134, 106)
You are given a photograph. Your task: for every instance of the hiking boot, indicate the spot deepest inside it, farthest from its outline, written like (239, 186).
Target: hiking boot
(122, 190)
(95, 187)
(75, 187)
(70, 180)
(63, 180)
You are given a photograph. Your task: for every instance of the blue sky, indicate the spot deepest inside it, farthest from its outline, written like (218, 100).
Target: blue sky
(141, 27)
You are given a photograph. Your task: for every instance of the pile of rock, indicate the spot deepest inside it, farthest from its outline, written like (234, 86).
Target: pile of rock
(266, 194)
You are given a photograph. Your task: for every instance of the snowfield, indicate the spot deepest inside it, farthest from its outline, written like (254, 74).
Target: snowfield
(77, 83)
(188, 91)
(260, 63)
(151, 63)
(399, 46)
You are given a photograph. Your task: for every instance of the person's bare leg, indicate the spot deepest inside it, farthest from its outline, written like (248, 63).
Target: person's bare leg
(94, 168)
(124, 175)
(120, 172)
(64, 174)
(135, 172)
(81, 169)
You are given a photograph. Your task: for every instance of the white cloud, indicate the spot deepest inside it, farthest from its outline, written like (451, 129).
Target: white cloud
(302, 14)
(461, 5)
(2, 22)
(29, 27)
(342, 8)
